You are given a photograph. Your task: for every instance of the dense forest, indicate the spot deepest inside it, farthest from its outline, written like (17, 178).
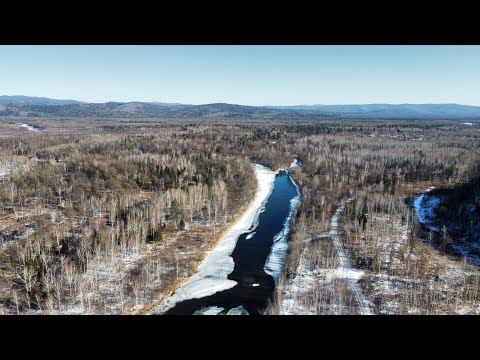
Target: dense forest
(110, 215)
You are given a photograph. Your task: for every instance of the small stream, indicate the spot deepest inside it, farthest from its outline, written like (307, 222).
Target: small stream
(254, 286)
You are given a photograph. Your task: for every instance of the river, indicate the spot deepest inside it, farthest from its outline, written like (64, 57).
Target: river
(253, 286)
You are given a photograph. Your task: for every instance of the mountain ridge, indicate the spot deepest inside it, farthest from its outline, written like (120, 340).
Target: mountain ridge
(27, 106)
(35, 100)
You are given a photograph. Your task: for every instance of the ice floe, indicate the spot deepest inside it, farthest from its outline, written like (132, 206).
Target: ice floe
(240, 310)
(211, 310)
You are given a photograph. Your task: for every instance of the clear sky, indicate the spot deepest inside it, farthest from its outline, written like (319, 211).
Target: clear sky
(249, 75)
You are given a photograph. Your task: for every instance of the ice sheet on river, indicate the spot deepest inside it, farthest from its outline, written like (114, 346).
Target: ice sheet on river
(212, 273)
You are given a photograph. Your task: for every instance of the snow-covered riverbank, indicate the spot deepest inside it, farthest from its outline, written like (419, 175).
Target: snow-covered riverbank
(212, 274)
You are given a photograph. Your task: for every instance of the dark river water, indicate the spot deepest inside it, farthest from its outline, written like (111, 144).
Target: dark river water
(250, 256)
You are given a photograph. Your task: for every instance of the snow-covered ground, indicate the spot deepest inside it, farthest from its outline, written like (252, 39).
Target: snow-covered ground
(424, 207)
(212, 274)
(9, 167)
(467, 123)
(345, 269)
(440, 285)
(303, 282)
(4, 173)
(294, 163)
(276, 258)
(29, 127)
(307, 277)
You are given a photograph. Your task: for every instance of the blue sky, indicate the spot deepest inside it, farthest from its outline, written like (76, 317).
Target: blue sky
(249, 75)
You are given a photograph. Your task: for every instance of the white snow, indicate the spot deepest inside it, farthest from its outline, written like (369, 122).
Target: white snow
(308, 276)
(276, 258)
(345, 269)
(211, 310)
(255, 284)
(26, 233)
(424, 207)
(469, 124)
(304, 281)
(97, 214)
(4, 173)
(7, 167)
(249, 236)
(240, 310)
(28, 127)
(212, 274)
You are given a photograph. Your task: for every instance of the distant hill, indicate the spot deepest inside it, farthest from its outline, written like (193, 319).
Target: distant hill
(394, 111)
(31, 100)
(142, 110)
(25, 106)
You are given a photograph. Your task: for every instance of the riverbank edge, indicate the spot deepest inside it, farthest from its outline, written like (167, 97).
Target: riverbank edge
(151, 309)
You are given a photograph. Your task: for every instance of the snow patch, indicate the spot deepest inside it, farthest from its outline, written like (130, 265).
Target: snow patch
(468, 124)
(256, 284)
(4, 173)
(294, 163)
(26, 233)
(212, 274)
(276, 258)
(249, 236)
(97, 214)
(425, 206)
(240, 310)
(29, 127)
